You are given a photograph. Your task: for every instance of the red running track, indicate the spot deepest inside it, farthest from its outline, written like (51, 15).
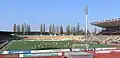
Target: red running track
(9, 56)
(105, 55)
(47, 57)
(108, 55)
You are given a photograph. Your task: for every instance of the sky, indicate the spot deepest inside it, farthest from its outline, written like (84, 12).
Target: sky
(59, 12)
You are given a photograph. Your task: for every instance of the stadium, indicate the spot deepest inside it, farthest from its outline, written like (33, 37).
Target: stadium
(104, 44)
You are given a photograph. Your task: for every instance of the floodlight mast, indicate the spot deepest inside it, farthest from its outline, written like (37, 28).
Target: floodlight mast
(86, 18)
(86, 24)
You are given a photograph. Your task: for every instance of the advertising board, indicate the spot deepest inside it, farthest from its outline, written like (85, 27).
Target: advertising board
(19, 52)
(55, 50)
(37, 55)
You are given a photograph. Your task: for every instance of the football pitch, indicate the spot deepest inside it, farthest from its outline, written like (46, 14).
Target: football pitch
(37, 45)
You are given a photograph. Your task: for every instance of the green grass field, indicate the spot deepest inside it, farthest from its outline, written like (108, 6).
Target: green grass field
(33, 45)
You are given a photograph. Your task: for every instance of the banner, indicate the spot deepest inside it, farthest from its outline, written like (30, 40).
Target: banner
(5, 52)
(36, 55)
(76, 49)
(55, 50)
(19, 52)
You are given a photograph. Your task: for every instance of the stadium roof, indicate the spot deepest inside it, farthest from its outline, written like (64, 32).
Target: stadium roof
(6, 32)
(107, 23)
(31, 33)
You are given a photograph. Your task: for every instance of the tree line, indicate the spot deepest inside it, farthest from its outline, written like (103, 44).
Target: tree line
(24, 28)
(52, 29)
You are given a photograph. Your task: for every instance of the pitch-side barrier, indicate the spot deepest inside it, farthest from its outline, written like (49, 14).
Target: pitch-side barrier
(54, 52)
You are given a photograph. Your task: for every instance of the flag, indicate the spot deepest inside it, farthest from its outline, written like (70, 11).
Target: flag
(86, 10)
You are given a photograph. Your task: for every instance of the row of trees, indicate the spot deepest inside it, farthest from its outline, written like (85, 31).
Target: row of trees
(52, 29)
(56, 29)
(24, 28)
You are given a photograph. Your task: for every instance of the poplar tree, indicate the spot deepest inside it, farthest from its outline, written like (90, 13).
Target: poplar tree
(14, 28)
(61, 29)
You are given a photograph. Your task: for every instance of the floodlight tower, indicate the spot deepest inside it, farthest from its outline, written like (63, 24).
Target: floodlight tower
(86, 17)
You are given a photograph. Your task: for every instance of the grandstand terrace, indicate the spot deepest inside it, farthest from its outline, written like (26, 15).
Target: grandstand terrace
(5, 35)
(47, 37)
(110, 31)
(109, 27)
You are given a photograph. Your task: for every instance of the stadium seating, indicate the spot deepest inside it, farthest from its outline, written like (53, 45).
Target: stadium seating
(99, 38)
(105, 39)
(33, 37)
(3, 43)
